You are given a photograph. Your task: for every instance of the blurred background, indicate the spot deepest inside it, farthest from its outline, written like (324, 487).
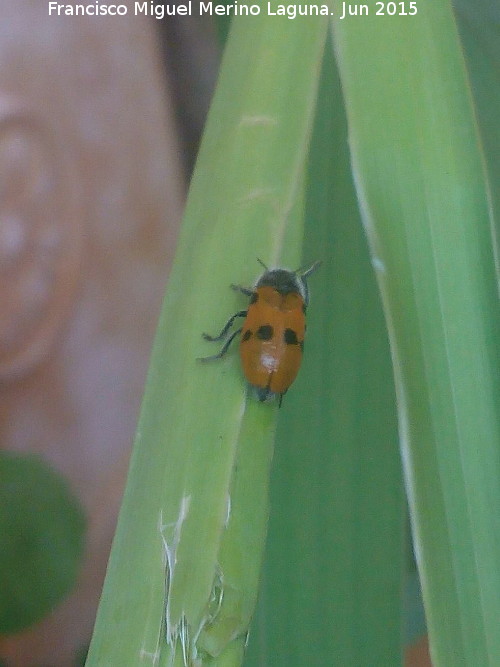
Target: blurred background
(100, 119)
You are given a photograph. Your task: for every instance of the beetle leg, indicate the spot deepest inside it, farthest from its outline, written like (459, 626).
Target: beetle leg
(224, 348)
(227, 326)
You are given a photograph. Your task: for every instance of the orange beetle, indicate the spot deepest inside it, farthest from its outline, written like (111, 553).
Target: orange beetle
(273, 331)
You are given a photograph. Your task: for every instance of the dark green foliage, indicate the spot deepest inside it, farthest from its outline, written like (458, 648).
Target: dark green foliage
(41, 540)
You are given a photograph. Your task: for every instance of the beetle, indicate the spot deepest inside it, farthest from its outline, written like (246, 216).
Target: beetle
(272, 335)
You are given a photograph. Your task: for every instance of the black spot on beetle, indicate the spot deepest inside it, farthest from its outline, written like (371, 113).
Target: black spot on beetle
(265, 332)
(247, 335)
(290, 337)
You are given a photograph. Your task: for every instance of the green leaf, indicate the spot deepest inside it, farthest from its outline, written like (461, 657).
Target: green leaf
(420, 180)
(478, 24)
(41, 540)
(183, 574)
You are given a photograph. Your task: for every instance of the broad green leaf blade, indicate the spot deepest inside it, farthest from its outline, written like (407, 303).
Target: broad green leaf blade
(182, 540)
(420, 181)
(335, 561)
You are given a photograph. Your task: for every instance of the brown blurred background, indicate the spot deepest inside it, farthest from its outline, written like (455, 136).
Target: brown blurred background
(94, 152)
(100, 119)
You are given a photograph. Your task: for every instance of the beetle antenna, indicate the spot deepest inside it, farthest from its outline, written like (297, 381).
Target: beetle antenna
(311, 269)
(262, 264)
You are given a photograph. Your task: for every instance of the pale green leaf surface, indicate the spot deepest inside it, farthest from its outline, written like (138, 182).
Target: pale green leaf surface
(190, 480)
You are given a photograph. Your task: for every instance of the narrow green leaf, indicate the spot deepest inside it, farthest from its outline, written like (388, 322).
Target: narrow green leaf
(420, 181)
(183, 573)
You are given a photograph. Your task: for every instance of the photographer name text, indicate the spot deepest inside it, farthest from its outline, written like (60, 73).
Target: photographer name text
(291, 11)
